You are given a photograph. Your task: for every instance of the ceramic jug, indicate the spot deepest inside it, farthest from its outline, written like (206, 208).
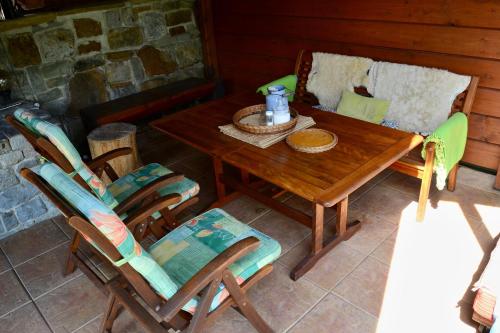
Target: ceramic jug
(277, 99)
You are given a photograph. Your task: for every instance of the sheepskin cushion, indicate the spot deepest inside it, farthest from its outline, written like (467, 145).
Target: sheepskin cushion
(333, 73)
(421, 97)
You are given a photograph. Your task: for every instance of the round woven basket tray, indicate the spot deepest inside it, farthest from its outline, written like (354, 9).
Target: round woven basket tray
(312, 140)
(248, 120)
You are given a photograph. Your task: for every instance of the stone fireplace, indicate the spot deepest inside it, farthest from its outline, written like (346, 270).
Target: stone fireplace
(66, 61)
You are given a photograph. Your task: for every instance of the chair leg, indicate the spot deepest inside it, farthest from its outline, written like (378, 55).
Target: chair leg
(110, 315)
(426, 183)
(452, 178)
(73, 248)
(244, 304)
(199, 317)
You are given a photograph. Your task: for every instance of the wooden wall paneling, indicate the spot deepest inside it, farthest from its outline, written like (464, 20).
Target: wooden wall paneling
(487, 102)
(465, 13)
(487, 70)
(484, 128)
(204, 18)
(258, 41)
(483, 154)
(477, 42)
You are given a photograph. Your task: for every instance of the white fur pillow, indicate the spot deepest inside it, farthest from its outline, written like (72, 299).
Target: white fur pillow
(421, 97)
(333, 73)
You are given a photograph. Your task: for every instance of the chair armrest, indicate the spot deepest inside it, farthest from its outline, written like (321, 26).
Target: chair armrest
(99, 161)
(100, 164)
(144, 212)
(147, 190)
(206, 275)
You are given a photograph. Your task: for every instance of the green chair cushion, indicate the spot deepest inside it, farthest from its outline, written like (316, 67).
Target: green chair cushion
(174, 259)
(126, 186)
(364, 108)
(59, 139)
(191, 246)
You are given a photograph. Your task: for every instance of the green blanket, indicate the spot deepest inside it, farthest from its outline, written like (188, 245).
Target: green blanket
(450, 139)
(289, 81)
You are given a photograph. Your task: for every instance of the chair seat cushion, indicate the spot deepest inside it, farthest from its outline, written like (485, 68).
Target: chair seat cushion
(126, 186)
(191, 246)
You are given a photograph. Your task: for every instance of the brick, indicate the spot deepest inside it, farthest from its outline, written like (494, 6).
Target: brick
(15, 196)
(156, 62)
(10, 221)
(18, 142)
(23, 50)
(89, 63)
(4, 146)
(178, 17)
(154, 25)
(89, 47)
(7, 179)
(125, 37)
(10, 158)
(177, 30)
(30, 210)
(56, 44)
(86, 27)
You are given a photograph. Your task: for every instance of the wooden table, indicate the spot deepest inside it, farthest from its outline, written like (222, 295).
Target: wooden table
(325, 179)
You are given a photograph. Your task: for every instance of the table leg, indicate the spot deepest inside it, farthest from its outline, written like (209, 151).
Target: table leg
(317, 228)
(341, 224)
(344, 231)
(245, 177)
(219, 171)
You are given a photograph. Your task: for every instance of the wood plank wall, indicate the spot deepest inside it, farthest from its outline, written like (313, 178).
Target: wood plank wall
(257, 41)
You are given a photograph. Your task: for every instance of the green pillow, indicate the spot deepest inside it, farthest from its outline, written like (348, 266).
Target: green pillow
(364, 108)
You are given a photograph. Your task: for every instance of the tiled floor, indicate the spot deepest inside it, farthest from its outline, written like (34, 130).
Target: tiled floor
(394, 275)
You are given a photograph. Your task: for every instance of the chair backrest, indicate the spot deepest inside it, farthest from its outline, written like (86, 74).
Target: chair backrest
(462, 103)
(59, 149)
(105, 231)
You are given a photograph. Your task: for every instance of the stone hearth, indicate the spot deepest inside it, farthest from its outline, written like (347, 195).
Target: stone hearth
(70, 60)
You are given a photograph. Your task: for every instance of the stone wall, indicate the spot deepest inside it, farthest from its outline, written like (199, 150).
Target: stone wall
(67, 61)
(21, 204)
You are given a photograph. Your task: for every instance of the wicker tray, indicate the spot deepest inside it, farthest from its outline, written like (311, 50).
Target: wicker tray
(255, 127)
(313, 140)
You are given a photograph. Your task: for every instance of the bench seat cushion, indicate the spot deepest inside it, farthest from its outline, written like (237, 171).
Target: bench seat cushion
(127, 185)
(190, 247)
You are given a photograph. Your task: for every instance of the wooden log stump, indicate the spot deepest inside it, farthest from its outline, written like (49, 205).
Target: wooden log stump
(112, 136)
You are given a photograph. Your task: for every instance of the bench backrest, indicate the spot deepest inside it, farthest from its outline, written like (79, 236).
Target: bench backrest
(462, 103)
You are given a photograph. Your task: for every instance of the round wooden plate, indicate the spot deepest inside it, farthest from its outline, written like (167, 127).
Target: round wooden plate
(312, 140)
(247, 119)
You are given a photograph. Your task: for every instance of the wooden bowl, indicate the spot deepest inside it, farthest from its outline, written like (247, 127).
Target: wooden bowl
(312, 140)
(262, 129)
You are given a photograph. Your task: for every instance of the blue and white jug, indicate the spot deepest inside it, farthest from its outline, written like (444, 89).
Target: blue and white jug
(277, 101)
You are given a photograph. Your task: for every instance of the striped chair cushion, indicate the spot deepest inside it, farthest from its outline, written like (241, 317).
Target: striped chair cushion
(126, 186)
(191, 246)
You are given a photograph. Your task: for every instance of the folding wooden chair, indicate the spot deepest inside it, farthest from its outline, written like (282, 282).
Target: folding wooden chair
(185, 279)
(125, 194)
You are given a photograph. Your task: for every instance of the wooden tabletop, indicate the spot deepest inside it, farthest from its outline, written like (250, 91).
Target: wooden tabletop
(363, 149)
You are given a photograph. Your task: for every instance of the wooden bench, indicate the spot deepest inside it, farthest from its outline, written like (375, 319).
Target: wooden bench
(412, 164)
(136, 106)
